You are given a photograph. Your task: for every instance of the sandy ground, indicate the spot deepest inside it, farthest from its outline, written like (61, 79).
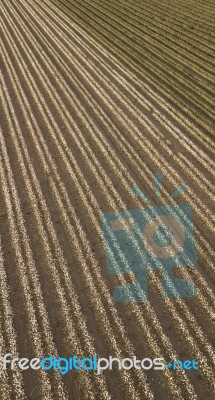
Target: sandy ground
(97, 97)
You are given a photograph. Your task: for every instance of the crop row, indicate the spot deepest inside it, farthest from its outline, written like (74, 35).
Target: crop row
(120, 49)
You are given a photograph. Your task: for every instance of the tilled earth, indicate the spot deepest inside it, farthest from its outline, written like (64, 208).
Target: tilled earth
(99, 96)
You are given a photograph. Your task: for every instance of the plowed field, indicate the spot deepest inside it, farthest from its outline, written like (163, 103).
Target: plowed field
(98, 96)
